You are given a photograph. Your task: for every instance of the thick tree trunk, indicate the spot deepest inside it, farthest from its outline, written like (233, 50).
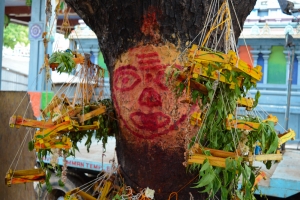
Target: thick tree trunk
(138, 40)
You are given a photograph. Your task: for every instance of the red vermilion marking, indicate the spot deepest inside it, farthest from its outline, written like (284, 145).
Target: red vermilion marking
(149, 97)
(126, 67)
(178, 67)
(122, 77)
(147, 55)
(148, 62)
(125, 80)
(151, 121)
(144, 135)
(150, 24)
(151, 67)
(160, 80)
(148, 124)
(148, 77)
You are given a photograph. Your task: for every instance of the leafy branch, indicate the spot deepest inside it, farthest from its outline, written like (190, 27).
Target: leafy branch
(220, 101)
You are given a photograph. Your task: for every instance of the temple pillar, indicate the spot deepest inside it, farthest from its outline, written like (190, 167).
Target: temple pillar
(37, 25)
(2, 9)
(96, 54)
(254, 54)
(266, 56)
(298, 72)
(255, 57)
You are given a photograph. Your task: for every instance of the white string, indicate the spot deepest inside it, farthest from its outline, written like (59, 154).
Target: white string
(20, 103)
(207, 21)
(16, 154)
(19, 153)
(200, 132)
(237, 19)
(201, 34)
(87, 186)
(234, 135)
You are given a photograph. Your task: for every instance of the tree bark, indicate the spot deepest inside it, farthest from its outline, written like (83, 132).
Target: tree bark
(138, 40)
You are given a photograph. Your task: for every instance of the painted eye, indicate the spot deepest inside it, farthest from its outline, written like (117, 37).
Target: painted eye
(160, 80)
(125, 80)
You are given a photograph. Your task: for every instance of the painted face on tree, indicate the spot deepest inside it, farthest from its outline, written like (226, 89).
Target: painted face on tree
(144, 103)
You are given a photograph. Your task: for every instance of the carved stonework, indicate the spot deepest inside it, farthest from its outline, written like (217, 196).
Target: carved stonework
(289, 29)
(82, 31)
(255, 30)
(266, 30)
(298, 29)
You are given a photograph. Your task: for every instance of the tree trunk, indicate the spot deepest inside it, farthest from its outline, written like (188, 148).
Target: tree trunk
(139, 39)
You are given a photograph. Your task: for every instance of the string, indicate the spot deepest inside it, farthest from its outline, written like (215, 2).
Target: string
(234, 135)
(20, 103)
(87, 186)
(19, 152)
(237, 19)
(176, 193)
(215, 84)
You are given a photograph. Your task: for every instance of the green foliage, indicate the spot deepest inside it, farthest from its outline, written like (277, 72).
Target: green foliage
(60, 183)
(14, 34)
(117, 197)
(28, 2)
(216, 106)
(65, 61)
(6, 21)
(108, 127)
(47, 181)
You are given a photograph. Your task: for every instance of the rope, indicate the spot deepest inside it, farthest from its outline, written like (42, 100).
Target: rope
(215, 84)
(234, 135)
(239, 25)
(20, 103)
(206, 23)
(18, 152)
(176, 193)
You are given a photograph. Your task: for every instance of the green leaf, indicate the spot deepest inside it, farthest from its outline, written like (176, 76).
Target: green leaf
(248, 189)
(48, 187)
(274, 145)
(216, 186)
(263, 141)
(268, 164)
(195, 95)
(117, 197)
(224, 193)
(208, 188)
(30, 145)
(247, 170)
(229, 164)
(61, 183)
(240, 194)
(205, 166)
(252, 178)
(65, 60)
(205, 180)
(257, 95)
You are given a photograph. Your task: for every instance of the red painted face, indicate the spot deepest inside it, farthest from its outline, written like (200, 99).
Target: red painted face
(143, 101)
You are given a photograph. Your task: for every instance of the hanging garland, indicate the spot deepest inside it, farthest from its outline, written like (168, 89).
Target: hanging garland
(219, 102)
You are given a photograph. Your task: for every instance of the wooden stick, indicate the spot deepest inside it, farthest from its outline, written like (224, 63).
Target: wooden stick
(92, 114)
(214, 161)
